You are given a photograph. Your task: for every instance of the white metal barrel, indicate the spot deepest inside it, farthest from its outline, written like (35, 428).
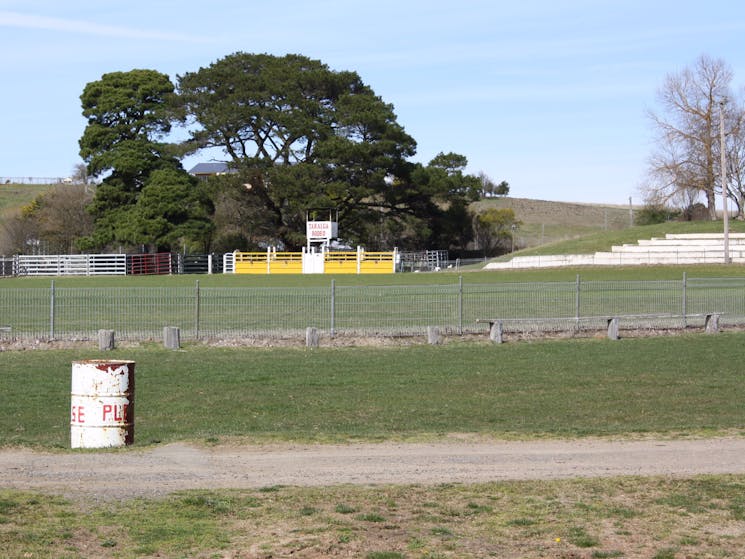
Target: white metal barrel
(102, 403)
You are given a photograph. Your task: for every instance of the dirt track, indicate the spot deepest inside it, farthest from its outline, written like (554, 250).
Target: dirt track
(158, 471)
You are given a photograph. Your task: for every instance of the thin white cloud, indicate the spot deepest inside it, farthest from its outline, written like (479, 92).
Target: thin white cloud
(28, 21)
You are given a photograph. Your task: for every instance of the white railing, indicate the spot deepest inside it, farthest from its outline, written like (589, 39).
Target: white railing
(674, 249)
(71, 264)
(228, 263)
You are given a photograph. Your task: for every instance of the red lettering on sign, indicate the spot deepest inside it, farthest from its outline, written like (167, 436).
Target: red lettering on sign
(115, 412)
(78, 414)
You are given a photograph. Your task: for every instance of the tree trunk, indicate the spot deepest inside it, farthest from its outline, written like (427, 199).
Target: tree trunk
(711, 204)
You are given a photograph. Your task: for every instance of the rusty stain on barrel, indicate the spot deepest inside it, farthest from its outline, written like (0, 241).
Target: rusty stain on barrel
(102, 403)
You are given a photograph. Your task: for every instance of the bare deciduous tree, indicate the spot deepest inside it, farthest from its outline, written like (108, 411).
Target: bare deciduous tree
(16, 233)
(63, 218)
(489, 188)
(80, 173)
(735, 155)
(688, 132)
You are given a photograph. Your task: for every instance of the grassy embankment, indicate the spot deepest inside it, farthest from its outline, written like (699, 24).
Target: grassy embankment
(565, 228)
(15, 196)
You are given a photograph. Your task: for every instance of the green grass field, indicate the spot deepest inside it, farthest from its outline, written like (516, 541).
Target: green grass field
(434, 278)
(688, 385)
(683, 384)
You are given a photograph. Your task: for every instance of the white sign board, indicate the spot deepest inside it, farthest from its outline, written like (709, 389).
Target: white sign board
(322, 230)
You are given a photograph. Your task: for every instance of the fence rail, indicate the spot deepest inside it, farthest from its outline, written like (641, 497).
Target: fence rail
(37, 180)
(110, 264)
(7, 266)
(139, 313)
(423, 261)
(71, 265)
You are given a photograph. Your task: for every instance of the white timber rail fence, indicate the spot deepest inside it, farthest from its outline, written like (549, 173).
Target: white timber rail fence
(454, 309)
(70, 265)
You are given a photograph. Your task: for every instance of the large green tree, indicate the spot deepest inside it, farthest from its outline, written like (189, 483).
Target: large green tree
(171, 211)
(129, 115)
(302, 136)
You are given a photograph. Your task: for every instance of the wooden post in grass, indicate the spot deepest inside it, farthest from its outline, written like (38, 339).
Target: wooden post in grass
(171, 337)
(105, 340)
(433, 335)
(312, 337)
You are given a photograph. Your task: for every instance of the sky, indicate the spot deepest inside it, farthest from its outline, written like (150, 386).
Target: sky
(551, 96)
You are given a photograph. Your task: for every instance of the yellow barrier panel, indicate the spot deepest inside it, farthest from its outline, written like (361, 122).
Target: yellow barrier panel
(340, 263)
(377, 263)
(250, 262)
(250, 267)
(286, 263)
(340, 256)
(287, 256)
(334, 262)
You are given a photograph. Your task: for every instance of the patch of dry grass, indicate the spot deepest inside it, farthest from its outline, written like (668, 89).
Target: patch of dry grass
(621, 517)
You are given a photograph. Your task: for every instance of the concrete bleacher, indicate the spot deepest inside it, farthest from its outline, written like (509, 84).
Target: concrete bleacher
(682, 248)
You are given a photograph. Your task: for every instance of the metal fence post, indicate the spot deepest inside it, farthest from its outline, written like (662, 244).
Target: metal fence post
(333, 308)
(460, 305)
(577, 300)
(685, 299)
(52, 303)
(197, 310)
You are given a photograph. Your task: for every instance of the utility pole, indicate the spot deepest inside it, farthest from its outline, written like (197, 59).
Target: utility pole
(725, 212)
(513, 227)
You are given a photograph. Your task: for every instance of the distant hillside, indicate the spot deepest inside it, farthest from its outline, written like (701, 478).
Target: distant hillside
(547, 222)
(14, 196)
(543, 222)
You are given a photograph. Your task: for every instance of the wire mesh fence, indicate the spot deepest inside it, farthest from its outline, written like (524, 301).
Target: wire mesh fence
(141, 313)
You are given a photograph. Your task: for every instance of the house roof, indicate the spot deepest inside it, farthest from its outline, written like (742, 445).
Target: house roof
(216, 168)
